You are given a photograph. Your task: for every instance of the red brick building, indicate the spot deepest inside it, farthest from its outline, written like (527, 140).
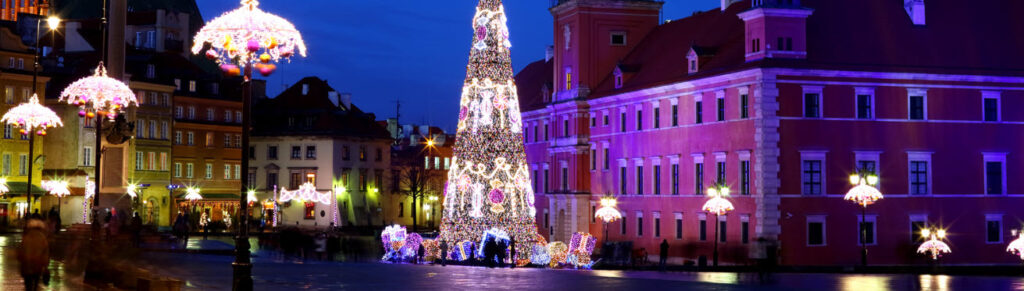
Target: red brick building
(781, 100)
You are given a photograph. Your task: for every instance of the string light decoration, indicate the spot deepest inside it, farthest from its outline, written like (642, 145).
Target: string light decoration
(57, 188)
(1016, 247)
(90, 193)
(32, 117)
(99, 94)
(462, 251)
(934, 246)
(249, 36)
(559, 253)
(489, 182)
(192, 194)
(581, 246)
(3, 186)
(306, 192)
(497, 235)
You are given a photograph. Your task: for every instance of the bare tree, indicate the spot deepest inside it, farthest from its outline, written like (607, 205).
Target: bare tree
(415, 180)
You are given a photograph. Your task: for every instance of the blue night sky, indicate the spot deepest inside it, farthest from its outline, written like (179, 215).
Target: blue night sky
(412, 50)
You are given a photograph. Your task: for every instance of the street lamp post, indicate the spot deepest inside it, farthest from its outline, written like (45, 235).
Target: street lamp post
(863, 193)
(33, 118)
(242, 40)
(608, 213)
(718, 205)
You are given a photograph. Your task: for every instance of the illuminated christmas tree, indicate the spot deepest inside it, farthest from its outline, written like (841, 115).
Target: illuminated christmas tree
(489, 182)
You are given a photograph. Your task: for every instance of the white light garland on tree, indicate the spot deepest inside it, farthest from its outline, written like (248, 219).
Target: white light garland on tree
(306, 192)
(249, 36)
(99, 94)
(489, 183)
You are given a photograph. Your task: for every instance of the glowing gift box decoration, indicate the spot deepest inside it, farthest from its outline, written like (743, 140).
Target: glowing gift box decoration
(540, 255)
(463, 250)
(497, 235)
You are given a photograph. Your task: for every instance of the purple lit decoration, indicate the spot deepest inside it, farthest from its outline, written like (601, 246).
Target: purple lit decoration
(463, 250)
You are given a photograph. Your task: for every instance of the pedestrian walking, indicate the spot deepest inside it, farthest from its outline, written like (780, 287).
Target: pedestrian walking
(320, 243)
(136, 228)
(34, 254)
(444, 253)
(664, 254)
(419, 254)
(512, 251)
(500, 253)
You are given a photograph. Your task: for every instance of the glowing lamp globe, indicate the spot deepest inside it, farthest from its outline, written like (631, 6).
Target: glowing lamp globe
(248, 35)
(717, 205)
(57, 188)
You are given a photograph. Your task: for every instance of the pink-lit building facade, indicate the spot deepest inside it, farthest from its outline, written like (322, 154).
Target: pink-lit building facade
(782, 101)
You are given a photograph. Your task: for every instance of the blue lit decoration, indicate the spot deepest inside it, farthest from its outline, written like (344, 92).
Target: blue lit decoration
(463, 250)
(540, 255)
(497, 235)
(399, 244)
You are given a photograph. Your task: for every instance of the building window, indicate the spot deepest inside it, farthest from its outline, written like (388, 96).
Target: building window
(917, 107)
(675, 115)
(8, 130)
(722, 223)
(192, 112)
(192, 86)
(565, 178)
(272, 152)
(401, 209)
(238, 117)
(622, 122)
(657, 179)
(865, 106)
(745, 177)
(702, 220)
(272, 180)
(210, 116)
(618, 38)
(745, 229)
(309, 210)
(657, 117)
(378, 179)
(593, 121)
(139, 161)
(227, 140)
(310, 152)
(547, 180)
(698, 178)
(209, 139)
(990, 106)
(191, 138)
(593, 159)
(536, 181)
(867, 230)
(699, 113)
(744, 106)
(755, 45)
(7, 165)
(604, 119)
(639, 224)
(919, 177)
(177, 170)
(179, 112)
(812, 174)
(679, 226)
(675, 179)
(227, 116)
(995, 173)
(622, 180)
(152, 161)
(296, 152)
(189, 170)
(812, 105)
(640, 180)
(565, 127)
(721, 109)
(209, 171)
(816, 230)
(140, 129)
(362, 153)
(639, 120)
(568, 78)
(606, 161)
(227, 172)
(993, 228)
(657, 225)
(345, 156)
(164, 129)
(163, 161)
(720, 172)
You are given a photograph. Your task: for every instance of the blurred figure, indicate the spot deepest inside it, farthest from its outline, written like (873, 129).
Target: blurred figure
(34, 254)
(512, 251)
(419, 254)
(664, 254)
(444, 253)
(136, 228)
(320, 244)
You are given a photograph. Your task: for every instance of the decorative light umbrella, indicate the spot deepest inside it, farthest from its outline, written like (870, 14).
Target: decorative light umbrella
(33, 118)
(934, 246)
(1016, 247)
(57, 188)
(241, 40)
(608, 213)
(98, 96)
(192, 194)
(719, 206)
(863, 193)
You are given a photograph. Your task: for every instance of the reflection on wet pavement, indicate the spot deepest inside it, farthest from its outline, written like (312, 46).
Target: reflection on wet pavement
(10, 275)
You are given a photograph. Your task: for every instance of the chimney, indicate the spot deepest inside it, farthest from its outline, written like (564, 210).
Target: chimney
(425, 130)
(915, 9)
(346, 100)
(549, 53)
(334, 97)
(305, 89)
(117, 23)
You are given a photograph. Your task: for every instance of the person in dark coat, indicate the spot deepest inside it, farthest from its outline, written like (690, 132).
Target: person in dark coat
(664, 254)
(419, 254)
(136, 227)
(500, 253)
(512, 251)
(34, 254)
(444, 253)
